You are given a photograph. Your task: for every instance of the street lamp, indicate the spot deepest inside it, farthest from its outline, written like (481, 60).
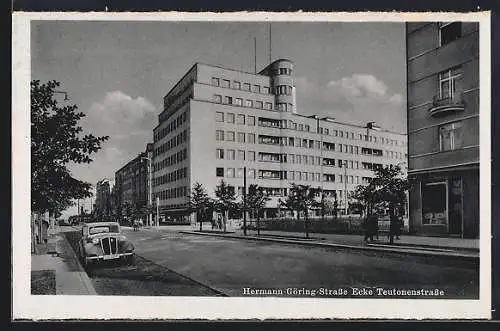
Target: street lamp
(345, 185)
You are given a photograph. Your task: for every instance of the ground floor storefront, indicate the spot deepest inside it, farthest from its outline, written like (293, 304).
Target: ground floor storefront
(445, 203)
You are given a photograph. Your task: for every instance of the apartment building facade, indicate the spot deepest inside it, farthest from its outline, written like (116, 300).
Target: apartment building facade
(443, 127)
(132, 182)
(217, 122)
(103, 197)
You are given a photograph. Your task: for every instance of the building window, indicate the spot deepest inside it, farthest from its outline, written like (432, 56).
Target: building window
(238, 102)
(219, 135)
(241, 118)
(239, 173)
(269, 105)
(237, 85)
(450, 136)
(228, 100)
(450, 83)
(256, 89)
(217, 98)
(215, 81)
(219, 116)
(241, 137)
(265, 89)
(225, 83)
(248, 103)
(259, 104)
(251, 156)
(246, 86)
(230, 117)
(251, 120)
(449, 32)
(219, 172)
(220, 153)
(230, 154)
(251, 173)
(241, 155)
(251, 138)
(230, 172)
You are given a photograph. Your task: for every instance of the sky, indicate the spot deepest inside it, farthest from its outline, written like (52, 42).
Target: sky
(117, 73)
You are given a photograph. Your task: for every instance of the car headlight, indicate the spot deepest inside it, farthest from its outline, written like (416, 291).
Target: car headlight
(95, 241)
(122, 238)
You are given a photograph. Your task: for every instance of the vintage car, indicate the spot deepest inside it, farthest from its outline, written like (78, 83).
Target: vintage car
(102, 241)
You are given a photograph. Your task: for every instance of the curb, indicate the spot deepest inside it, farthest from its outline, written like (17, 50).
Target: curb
(423, 253)
(85, 280)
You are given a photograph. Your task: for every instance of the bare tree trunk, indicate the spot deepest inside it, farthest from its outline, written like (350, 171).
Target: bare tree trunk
(258, 224)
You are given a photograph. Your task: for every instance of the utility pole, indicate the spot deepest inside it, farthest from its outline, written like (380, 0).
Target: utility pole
(158, 211)
(345, 185)
(245, 201)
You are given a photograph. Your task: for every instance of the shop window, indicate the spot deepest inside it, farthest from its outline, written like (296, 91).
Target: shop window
(434, 203)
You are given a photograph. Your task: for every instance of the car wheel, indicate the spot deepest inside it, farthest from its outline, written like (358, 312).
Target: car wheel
(130, 259)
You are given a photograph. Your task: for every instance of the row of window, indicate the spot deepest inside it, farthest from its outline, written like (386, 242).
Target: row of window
(171, 160)
(171, 143)
(226, 83)
(289, 175)
(221, 135)
(249, 103)
(172, 126)
(288, 124)
(171, 177)
(173, 193)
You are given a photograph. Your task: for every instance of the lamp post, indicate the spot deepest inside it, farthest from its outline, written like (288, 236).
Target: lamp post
(150, 191)
(345, 185)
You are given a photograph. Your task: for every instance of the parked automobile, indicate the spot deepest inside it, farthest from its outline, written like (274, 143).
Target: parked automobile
(102, 241)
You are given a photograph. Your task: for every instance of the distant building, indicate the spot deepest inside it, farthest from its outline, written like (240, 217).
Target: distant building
(132, 181)
(443, 127)
(217, 121)
(103, 198)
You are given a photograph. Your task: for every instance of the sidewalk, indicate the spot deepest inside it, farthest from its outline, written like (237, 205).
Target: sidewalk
(58, 256)
(467, 249)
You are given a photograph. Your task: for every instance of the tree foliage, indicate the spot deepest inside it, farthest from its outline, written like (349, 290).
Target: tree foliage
(226, 200)
(57, 140)
(387, 190)
(256, 200)
(301, 199)
(200, 203)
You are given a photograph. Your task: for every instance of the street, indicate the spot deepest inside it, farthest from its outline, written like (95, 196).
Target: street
(231, 265)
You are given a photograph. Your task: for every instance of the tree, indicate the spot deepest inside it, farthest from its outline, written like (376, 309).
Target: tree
(199, 203)
(256, 200)
(387, 189)
(301, 199)
(56, 141)
(226, 200)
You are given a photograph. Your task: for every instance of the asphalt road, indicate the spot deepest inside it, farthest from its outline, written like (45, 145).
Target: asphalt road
(231, 265)
(144, 278)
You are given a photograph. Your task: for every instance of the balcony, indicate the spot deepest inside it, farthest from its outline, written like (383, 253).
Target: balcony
(442, 106)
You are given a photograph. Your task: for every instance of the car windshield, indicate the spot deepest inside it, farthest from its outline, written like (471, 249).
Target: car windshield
(103, 229)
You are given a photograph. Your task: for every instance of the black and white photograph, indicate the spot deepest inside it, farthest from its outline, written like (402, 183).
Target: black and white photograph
(251, 165)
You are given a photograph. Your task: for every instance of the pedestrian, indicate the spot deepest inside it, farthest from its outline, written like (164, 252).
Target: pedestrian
(45, 228)
(368, 227)
(393, 227)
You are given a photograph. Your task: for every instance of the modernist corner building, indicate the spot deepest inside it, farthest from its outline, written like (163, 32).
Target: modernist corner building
(443, 127)
(217, 122)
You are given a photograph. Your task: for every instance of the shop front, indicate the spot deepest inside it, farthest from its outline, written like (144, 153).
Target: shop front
(445, 204)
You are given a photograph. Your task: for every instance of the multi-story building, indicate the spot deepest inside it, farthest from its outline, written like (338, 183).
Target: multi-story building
(103, 198)
(443, 127)
(132, 181)
(217, 122)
